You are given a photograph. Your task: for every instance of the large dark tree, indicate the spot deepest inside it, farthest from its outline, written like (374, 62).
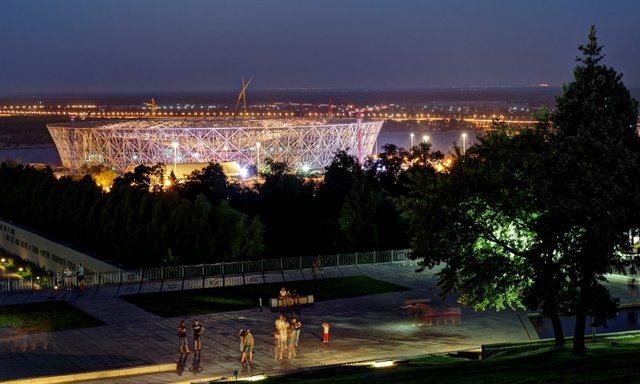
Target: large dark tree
(591, 188)
(539, 218)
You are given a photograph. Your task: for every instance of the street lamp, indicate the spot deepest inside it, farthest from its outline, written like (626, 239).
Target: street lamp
(411, 135)
(464, 143)
(425, 138)
(175, 157)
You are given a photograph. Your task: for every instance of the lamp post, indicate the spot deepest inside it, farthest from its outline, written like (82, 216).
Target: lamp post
(411, 135)
(175, 157)
(425, 138)
(464, 143)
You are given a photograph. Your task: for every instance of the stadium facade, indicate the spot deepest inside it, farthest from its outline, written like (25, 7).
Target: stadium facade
(302, 143)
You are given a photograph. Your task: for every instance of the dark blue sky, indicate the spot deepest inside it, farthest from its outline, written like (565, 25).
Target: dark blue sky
(204, 45)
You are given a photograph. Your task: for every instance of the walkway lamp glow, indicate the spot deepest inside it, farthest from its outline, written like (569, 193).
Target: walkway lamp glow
(411, 135)
(425, 138)
(464, 143)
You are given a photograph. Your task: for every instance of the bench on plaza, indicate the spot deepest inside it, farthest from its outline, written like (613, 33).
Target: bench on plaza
(301, 300)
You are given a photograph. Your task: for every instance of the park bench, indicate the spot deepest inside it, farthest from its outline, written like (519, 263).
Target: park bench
(302, 300)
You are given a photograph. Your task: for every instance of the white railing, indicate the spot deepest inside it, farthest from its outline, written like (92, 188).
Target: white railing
(211, 275)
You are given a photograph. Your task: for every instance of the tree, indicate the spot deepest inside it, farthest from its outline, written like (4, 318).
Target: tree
(103, 176)
(481, 220)
(285, 207)
(386, 169)
(357, 217)
(237, 236)
(210, 181)
(591, 189)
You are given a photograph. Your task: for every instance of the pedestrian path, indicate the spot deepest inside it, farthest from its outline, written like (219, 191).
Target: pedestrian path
(362, 328)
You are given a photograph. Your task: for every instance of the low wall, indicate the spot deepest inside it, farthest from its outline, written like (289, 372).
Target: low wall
(46, 253)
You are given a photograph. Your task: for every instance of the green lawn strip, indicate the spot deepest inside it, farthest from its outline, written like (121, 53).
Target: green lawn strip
(222, 299)
(45, 317)
(603, 364)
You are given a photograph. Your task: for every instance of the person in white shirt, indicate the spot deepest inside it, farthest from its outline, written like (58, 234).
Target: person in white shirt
(68, 278)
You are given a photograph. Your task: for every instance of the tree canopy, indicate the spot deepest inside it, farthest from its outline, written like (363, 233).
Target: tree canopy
(538, 218)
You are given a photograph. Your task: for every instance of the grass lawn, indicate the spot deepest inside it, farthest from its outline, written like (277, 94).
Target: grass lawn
(211, 300)
(603, 364)
(45, 317)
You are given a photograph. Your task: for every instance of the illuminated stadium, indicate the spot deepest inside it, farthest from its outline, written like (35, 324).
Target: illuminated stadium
(303, 143)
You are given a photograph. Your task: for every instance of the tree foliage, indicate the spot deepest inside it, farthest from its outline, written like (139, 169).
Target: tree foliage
(537, 219)
(591, 190)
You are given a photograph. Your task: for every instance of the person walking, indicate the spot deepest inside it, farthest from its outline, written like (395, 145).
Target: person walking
(291, 346)
(276, 349)
(59, 280)
(197, 330)
(81, 277)
(246, 346)
(282, 326)
(297, 325)
(325, 332)
(182, 337)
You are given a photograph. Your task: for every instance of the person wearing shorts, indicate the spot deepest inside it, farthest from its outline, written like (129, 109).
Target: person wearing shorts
(197, 330)
(182, 337)
(247, 343)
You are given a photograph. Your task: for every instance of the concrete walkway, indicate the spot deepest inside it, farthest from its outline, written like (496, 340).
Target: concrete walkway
(362, 328)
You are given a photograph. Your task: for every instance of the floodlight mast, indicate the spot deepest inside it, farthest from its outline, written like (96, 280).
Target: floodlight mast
(359, 115)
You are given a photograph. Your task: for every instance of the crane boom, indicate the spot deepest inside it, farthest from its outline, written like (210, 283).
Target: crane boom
(242, 96)
(151, 104)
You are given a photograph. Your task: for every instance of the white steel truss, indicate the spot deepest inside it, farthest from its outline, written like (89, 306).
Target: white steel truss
(302, 143)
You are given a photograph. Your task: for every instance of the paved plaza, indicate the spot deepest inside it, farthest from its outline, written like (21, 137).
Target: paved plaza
(362, 328)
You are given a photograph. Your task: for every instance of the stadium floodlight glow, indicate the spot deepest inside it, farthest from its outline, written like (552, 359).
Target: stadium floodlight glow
(244, 172)
(311, 142)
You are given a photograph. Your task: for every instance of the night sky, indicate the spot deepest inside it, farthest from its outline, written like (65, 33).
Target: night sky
(188, 45)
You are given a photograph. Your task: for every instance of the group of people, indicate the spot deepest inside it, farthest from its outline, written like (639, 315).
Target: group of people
(286, 337)
(65, 279)
(197, 330)
(289, 298)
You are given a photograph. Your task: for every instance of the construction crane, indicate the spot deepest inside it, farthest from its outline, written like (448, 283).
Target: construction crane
(359, 114)
(151, 104)
(242, 96)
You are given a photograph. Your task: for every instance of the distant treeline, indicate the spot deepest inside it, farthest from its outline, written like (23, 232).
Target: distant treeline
(207, 219)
